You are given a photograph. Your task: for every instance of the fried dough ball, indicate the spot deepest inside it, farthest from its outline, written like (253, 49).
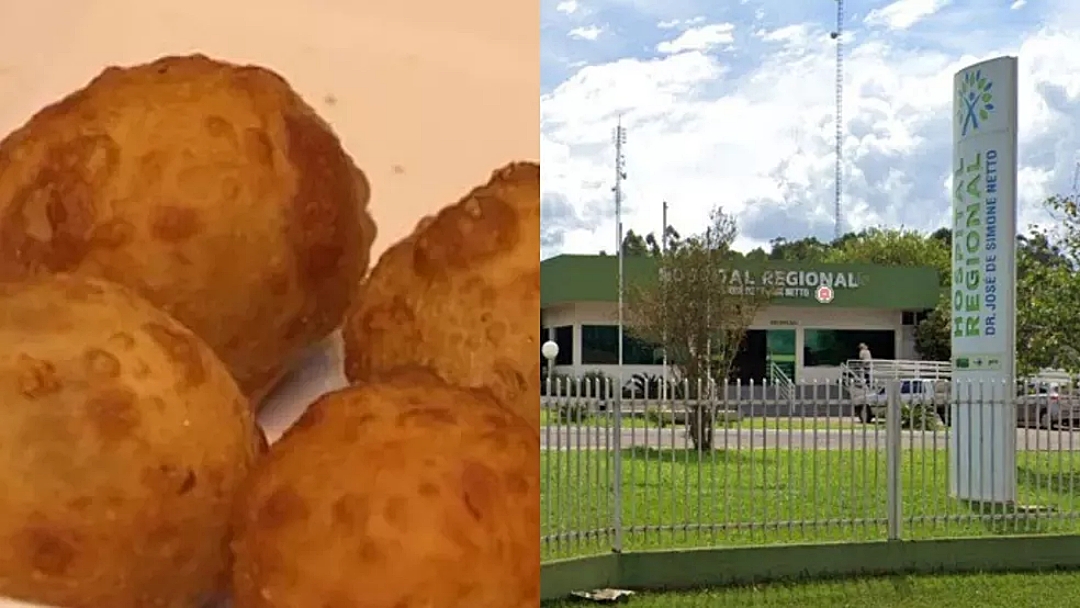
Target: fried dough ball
(461, 295)
(123, 442)
(407, 493)
(211, 189)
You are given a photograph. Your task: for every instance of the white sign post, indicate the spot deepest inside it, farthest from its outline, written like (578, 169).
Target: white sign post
(983, 441)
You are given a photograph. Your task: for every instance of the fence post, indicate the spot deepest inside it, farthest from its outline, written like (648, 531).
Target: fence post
(617, 470)
(893, 455)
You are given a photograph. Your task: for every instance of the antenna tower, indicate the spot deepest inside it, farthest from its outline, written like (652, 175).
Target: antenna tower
(838, 36)
(1076, 181)
(619, 138)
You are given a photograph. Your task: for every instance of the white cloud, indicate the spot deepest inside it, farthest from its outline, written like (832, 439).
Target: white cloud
(1017, 5)
(567, 6)
(902, 14)
(588, 32)
(700, 39)
(797, 33)
(759, 141)
(671, 24)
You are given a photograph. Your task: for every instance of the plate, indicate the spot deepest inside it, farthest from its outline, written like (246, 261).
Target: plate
(427, 97)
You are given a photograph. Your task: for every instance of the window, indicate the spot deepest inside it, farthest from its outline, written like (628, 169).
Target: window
(831, 347)
(911, 387)
(913, 317)
(564, 337)
(640, 352)
(781, 342)
(600, 346)
(780, 349)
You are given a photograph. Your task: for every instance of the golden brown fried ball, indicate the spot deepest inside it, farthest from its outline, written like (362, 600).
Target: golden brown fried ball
(123, 442)
(211, 189)
(407, 493)
(461, 295)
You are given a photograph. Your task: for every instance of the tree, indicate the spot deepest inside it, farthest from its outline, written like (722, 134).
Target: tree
(694, 315)
(803, 250)
(892, 247)
(634, 244)
(1047, 292)
(933, 341)
(1047, 286)
(908, 248)
(1047, 320)
(756, 255)
(1065, 210)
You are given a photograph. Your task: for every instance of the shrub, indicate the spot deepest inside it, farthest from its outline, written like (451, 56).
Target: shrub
(643, 386)
(572, 413)
(657, 417)
(919, 417)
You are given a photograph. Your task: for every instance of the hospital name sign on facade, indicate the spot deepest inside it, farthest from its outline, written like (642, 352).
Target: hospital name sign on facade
(784, 283)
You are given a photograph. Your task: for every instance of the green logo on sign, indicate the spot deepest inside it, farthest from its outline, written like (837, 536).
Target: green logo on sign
(976, 101)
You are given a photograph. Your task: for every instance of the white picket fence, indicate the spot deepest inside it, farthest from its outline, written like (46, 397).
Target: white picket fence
(625, 474)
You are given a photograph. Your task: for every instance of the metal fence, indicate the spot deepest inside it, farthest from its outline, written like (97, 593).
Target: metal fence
(751, 465)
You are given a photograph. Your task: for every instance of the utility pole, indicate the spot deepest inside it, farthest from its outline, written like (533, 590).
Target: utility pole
(620, 175)
(617, 497)
(663, 254)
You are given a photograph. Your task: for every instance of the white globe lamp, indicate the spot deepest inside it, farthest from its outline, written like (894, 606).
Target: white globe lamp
(550, 350)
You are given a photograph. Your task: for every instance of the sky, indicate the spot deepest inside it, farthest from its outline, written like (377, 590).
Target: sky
(733, 104)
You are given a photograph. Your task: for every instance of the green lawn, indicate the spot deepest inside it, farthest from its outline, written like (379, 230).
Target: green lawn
(680, 498)
(749, 422)
(1052, 590)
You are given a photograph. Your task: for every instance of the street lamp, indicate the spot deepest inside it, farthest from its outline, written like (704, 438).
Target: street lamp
(550, 350)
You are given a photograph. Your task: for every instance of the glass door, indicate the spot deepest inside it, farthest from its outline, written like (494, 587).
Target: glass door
(780, 344)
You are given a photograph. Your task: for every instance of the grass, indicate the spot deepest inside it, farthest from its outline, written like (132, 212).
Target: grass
(548, 417)
(683, 498)
(1050, 590)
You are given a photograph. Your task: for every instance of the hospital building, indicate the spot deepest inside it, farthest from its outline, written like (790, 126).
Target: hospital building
(805, 331)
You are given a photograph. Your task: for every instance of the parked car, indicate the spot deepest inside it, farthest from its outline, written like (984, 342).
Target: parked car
(913, 391)
(1039, 405)
(1043, 406)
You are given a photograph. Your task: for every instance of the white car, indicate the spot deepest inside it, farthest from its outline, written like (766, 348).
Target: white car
(920, 391)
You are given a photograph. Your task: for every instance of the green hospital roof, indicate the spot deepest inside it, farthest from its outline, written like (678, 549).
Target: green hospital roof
(594, 278)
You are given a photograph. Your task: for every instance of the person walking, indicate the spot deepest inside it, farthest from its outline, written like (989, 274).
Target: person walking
(865, 361)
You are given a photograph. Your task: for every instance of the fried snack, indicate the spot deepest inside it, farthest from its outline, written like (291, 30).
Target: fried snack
(211, 189)
(407, 493)
(461, 295)
(123, 442)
